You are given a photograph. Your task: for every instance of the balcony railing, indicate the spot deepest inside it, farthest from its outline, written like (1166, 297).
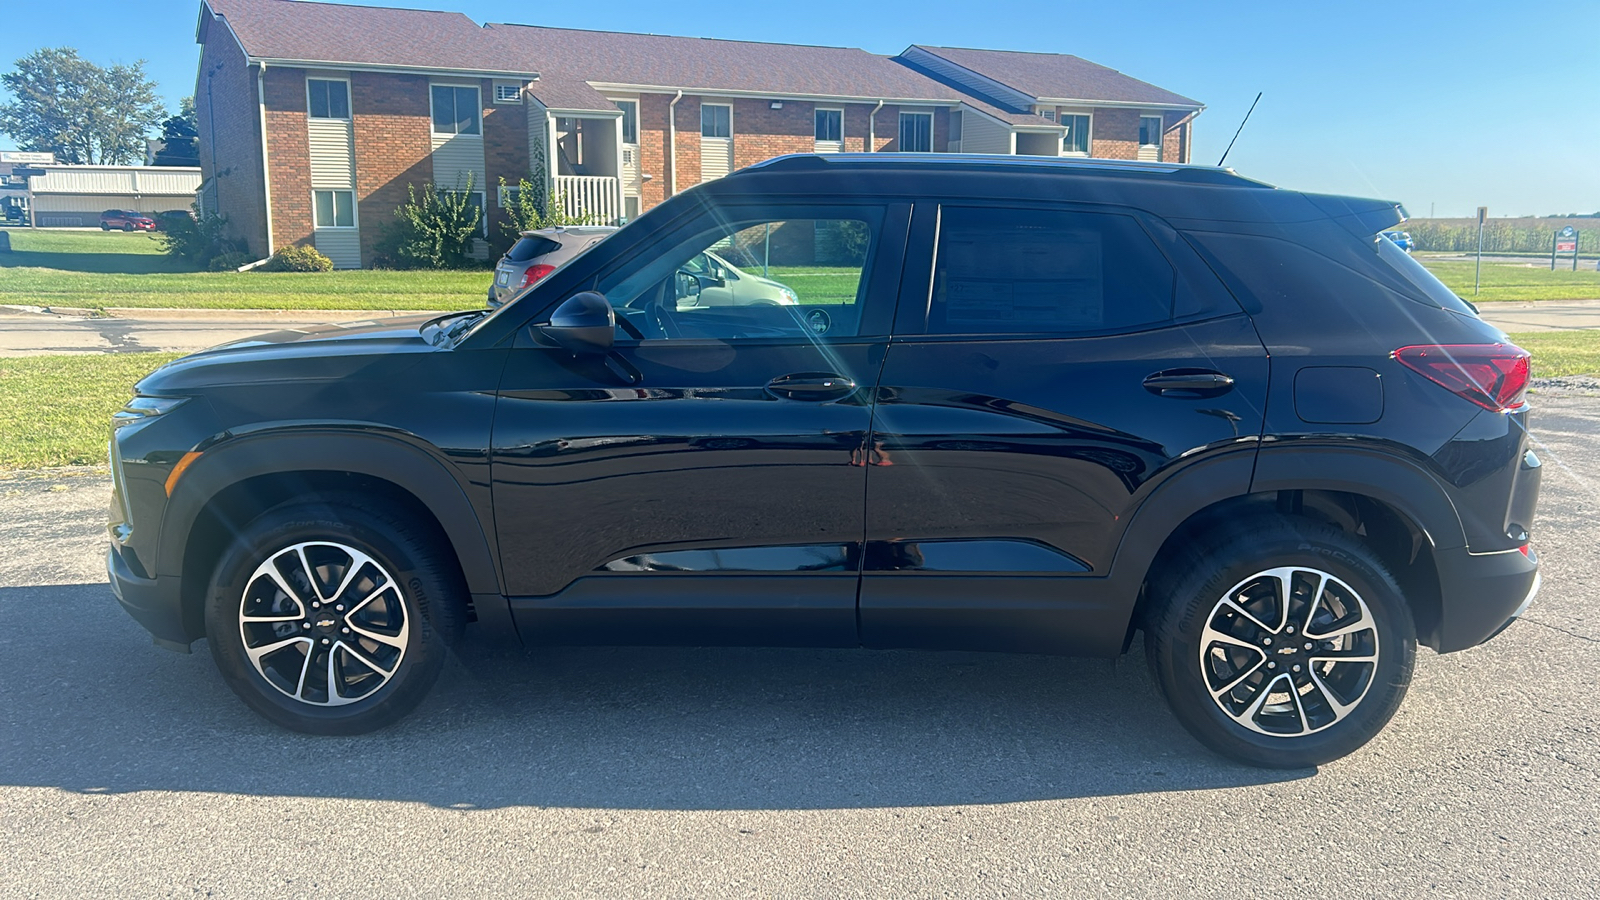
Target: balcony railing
(594, 198)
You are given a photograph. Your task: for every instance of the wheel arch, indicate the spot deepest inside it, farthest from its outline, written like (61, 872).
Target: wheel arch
(1391, 504)
(231, 484)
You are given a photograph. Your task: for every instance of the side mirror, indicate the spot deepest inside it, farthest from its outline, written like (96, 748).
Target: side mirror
(584, 324)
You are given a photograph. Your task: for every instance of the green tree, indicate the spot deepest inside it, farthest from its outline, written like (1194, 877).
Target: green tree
(436, 228)
(180, 137)
(81, 112)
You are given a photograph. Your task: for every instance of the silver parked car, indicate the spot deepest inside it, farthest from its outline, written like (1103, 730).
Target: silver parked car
(538, 253)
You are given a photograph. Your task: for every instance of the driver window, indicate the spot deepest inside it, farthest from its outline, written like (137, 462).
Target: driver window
(751, 277)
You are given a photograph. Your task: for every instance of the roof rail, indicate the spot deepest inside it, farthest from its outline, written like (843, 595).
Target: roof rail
(995, 162)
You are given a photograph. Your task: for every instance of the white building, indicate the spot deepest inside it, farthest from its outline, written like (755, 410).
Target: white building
(66, 196)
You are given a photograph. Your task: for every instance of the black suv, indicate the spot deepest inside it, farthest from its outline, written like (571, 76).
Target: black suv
(1019, 404)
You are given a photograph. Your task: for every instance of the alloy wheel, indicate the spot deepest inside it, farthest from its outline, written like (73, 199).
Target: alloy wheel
(324, 623)
(1289, 651)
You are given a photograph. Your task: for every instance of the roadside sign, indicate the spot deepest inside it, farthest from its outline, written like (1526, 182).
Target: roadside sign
(1564, 241)
(1483, 213)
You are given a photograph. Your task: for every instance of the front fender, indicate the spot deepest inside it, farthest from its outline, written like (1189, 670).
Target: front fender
(395, 458)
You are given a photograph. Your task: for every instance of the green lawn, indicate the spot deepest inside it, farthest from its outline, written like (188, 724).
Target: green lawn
(1558, 353)
(1516, 282)
(56, 410)
(821, 285)
(98, 270)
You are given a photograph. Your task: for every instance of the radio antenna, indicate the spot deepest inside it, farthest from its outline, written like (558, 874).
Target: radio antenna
(1241, 128)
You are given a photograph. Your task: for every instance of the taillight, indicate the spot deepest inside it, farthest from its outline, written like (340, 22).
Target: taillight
(1494, 376)
(536, 272)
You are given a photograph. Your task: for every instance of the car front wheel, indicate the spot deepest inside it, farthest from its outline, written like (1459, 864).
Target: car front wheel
(1284, 643)
(333, 617)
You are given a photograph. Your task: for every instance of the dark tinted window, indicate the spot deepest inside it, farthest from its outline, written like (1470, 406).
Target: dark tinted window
(1419, 278)
(1268, 272)
(1008, 271)
(530, 247)
(329, 99)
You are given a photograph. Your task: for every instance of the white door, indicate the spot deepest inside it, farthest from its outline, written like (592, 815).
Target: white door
(716, 140)
(631, 173)
(1150, 138)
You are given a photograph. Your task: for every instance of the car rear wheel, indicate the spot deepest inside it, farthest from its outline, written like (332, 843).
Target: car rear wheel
(333, 617)
(1283, 643)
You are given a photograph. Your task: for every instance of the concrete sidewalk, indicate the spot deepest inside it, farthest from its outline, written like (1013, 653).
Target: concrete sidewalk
(1546, 315)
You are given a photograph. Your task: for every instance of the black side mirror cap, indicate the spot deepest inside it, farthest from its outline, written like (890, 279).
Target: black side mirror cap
(584, 324)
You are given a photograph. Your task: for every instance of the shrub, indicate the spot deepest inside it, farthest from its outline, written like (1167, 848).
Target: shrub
(298, 258)
(527, 209)
(436, 228)
(200, 240)
(228, 262)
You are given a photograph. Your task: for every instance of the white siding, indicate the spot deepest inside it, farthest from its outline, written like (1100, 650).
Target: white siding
(332, 157)
(981, 134)
(716, 157)
(116, 180)
(456, 155)
(342, 245)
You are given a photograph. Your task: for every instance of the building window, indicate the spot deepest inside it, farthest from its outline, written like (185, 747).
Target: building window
(1149, 131)
(716, 120)
(455, 110)
(1049, 115)
(830, 125)
(507, 92)
(1076, 139)
(508, 195)
(335, 209)
(328, 99)
(916, 132)
(630, 120)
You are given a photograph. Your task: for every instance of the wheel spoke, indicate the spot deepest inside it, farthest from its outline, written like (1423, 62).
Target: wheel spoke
(364, 659)
(333, 683)
(1216, 693)
(357, 562)
(398, 640)
(1228, 602)
(1334, 703)
(311, 575)
(1364, 623)
(1316, 601)
(1342, 656)
(256, 653)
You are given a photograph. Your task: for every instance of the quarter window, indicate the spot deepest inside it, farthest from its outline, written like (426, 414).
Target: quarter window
(916, 132)
(455, 110)
(328, 99)
(716, 120)
(335, 209)
(1007, 271)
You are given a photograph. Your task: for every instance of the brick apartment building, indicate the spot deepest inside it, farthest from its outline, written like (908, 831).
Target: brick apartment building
(316, 118)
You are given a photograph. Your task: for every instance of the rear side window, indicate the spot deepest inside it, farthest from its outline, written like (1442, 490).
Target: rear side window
(1419, 277)
(529, 247)
(1264, 271)
(1011, 271)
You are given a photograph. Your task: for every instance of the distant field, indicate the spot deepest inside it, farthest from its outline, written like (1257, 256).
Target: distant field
(1526, 235)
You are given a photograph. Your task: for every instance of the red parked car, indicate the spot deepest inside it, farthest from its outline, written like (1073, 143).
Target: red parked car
(127, 220)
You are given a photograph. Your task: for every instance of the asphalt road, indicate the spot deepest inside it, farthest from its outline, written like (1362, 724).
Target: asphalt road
(128, 771)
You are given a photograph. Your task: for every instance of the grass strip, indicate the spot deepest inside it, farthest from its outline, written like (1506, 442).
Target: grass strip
(56, 410)
(1503, 281)
(1560, 353)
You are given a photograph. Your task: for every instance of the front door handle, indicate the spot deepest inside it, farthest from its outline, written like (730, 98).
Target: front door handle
(1190, 383)
(815, 386)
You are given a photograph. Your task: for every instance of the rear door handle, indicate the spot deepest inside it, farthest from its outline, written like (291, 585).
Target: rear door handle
(815, 386)
(1191, 383)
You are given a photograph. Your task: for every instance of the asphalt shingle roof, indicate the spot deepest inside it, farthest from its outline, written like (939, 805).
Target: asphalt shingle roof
(1058, 75)
(568, 58)
(367, 35)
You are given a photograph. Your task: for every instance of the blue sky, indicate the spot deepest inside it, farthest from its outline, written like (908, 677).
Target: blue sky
(1442, 106)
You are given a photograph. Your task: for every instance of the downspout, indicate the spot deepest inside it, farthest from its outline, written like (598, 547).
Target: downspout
(872, 128)
(672, 145)
(266, 179)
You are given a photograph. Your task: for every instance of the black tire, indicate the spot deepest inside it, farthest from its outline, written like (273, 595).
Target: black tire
(1328, 715)
(127, 226)
(416, 614)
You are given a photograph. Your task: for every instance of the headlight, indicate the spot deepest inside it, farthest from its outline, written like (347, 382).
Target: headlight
(789, 295)
(141, 408)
